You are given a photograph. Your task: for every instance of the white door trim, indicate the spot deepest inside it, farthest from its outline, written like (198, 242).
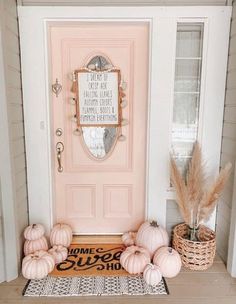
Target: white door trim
(8, 220)
(36, 94)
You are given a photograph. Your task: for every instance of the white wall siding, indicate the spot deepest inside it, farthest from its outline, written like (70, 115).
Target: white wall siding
(228, 145)
(15, 114)
(2, 259)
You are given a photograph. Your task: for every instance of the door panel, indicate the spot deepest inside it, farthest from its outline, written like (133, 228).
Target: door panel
(100, 196)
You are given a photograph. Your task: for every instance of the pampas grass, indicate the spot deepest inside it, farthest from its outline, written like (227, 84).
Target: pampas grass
(196, 203)
(181, 192)
(210, 197)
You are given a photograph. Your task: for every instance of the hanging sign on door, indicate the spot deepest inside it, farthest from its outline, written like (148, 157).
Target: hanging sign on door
(98, 98)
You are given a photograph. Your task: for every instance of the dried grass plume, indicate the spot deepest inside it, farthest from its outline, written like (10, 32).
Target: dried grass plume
(196, 203)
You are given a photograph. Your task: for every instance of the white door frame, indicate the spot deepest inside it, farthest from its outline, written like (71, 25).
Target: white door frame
(36, 92)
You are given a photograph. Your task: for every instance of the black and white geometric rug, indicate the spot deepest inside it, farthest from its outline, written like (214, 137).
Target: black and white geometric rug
(93, 286)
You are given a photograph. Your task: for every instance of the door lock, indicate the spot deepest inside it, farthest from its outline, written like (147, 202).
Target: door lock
(59, 132)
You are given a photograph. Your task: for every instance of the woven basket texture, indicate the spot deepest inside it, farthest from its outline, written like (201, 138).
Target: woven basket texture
(195, 255)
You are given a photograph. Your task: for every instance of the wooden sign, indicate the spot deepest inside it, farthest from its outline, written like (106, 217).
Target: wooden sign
(98, 98)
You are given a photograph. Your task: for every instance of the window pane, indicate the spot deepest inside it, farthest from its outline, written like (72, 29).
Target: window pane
(189, 40)
(187, 91)
(187, 75)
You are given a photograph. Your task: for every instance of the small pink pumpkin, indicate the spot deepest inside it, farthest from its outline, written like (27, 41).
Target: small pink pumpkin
(61, 234)
(151, 236)
(32, 246)
(37, 265)
(59, 253)
(168, 260)
(34, 232)
(134, 259)
(152, 274)
(128, 238)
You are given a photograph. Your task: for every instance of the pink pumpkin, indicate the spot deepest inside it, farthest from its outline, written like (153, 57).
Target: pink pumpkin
(32, 246)
(37, 265)
(61, 234)
(151, 236)
(134, 259)
(152, 274)
(59, 253)
(128, 238)
(34, 232)
(168, 260)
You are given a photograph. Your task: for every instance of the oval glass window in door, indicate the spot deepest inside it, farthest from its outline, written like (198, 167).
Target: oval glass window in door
(100, 98)
(99, 140)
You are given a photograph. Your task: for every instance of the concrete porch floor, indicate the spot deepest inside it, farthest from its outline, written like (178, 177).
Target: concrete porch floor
(213, 286)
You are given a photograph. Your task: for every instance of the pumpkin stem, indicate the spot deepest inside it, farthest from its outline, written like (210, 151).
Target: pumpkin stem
(154, 224)
(34, 225)
(170, 250)
(137, 252)
(151, 265)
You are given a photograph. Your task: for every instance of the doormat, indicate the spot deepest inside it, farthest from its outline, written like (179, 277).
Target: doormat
(91, 260)
(93, 286)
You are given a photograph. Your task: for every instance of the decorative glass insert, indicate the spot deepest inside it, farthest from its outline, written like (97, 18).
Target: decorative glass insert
(188, 65)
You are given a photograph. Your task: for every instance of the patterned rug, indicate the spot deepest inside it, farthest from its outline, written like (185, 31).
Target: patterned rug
(93, 286)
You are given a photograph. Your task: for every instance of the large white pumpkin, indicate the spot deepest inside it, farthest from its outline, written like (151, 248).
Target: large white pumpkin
(37, 265)
(168, 260)
(61, 234)
(34, 232)
(151, 236)
(134, 259)
(32, 246)
(152, 274)
(59, 253)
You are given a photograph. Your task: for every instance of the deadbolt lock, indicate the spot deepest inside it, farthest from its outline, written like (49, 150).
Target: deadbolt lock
(59, 132)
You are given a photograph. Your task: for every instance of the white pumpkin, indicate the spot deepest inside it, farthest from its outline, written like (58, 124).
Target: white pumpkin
(61, 234)
(168, 260)
(134, 259)
(128, 238)
(32, 246)
(34, 232)
(37, 265)
(151, 236)
(59, 253)
(152, 274)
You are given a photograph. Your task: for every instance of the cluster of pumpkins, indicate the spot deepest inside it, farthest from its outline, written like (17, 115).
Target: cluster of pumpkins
(39, 260)
(150, 243)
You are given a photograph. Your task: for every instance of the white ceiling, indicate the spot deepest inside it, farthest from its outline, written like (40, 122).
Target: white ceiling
(123, 2)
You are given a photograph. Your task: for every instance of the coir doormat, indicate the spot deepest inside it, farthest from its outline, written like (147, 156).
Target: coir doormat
(91, 260)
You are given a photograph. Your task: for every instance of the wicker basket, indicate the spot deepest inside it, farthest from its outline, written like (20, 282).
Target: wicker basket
(195, 255)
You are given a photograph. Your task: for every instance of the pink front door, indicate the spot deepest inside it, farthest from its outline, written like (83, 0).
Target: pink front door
(100, 196)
